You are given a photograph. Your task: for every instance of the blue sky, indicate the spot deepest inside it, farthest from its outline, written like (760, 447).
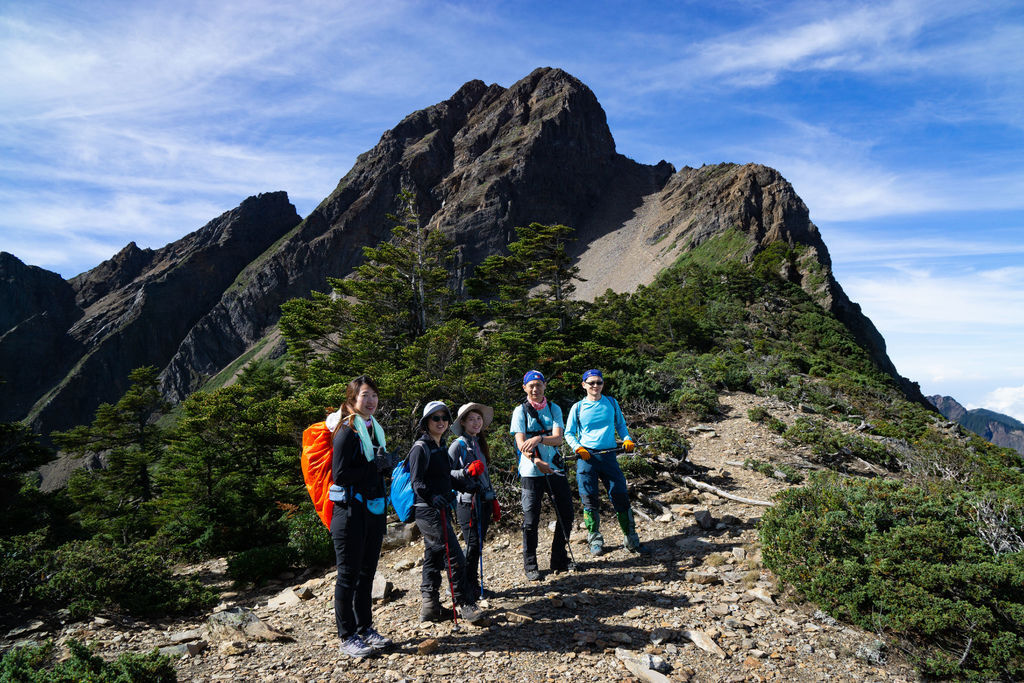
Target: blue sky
(900, 124)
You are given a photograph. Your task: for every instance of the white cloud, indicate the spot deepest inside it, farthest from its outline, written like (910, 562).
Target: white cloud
(1006, 400)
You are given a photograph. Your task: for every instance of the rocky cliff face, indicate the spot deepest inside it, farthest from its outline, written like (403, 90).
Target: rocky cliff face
(35, 350)
(130, 311)
(1002, 430)
(480, 163)
(948, 406)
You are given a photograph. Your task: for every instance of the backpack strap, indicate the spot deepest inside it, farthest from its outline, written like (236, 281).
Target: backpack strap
(532, 412)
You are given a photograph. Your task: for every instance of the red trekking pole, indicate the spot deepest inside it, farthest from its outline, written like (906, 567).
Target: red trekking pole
(448, 562)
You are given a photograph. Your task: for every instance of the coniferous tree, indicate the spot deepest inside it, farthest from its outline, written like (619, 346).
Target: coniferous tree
(400, 291)
(228, 465)
(116, 499)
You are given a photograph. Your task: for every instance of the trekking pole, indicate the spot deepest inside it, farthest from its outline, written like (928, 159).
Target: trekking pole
(480, 543)
(448, 561)
(558, 516)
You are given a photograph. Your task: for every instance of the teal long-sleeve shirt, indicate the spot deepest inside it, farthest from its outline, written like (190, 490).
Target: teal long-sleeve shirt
(593, 424)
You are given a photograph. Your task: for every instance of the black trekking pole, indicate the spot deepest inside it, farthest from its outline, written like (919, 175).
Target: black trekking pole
(480, 543)
(448, 561)
(558, 516)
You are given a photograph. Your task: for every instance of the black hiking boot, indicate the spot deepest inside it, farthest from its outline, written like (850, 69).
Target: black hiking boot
(431, 610)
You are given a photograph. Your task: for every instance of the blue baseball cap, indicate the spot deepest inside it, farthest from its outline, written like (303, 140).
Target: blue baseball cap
(592, 373)
(532, 375)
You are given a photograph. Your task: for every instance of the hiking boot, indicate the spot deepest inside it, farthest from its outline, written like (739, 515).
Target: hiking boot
(431, 610)
(592, 521)
(374, 639)
(533, 575)
(567, 567)
(628, 526)
(354, 646)
(634, 545)
(471, 613)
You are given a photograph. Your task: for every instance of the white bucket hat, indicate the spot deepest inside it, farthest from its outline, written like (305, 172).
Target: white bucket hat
(486, 411)
(430, 409)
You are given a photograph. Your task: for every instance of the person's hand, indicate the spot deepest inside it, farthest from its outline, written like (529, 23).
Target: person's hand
(530, 445)
(543, 466)
(628, 446)
(440, 501)
(496, 510)
(583, 453)
(475, 468)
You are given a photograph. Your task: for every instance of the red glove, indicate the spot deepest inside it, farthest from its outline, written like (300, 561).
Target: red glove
(475, 468)
(495, 510)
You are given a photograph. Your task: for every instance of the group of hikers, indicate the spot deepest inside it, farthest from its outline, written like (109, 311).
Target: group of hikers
(456, 476)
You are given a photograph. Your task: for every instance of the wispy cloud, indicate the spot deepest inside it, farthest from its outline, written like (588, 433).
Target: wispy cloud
(1006, 400)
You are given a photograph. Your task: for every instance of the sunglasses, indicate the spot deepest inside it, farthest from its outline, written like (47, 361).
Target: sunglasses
(594, 384)
(440, 418)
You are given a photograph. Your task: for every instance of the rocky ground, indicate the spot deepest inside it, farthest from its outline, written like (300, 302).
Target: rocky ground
(700, 608)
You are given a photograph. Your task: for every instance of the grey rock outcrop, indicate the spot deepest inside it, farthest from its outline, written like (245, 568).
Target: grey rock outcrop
(479, 164)
(130, 311)
(997, 428)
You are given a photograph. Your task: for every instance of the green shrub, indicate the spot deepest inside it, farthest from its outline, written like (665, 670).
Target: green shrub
(768, 469)
(90, 576)
(636, 466)
(828, 443)
(662, 440)
(23, 560)
(27, 665)
(256, 564)
(698, 399)
(903, 561)
(309, 538)
(758, 414)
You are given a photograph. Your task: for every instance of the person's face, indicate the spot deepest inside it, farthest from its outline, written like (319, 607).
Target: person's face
(366, 401)
(472, 423)
(437, 423)
(594, 386)
(535, 390)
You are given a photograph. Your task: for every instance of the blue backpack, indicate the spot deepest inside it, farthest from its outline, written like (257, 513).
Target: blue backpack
(402, 498)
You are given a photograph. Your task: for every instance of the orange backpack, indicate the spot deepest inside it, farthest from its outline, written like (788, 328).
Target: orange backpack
(317, 452)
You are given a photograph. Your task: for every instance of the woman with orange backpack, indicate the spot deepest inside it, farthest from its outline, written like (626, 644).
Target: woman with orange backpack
(359, 461)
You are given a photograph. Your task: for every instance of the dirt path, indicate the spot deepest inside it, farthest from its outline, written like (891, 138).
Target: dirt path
(700, 582)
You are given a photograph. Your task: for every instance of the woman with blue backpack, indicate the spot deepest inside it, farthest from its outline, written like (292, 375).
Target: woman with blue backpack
(477, 503)
(432, 483)
(359, 461)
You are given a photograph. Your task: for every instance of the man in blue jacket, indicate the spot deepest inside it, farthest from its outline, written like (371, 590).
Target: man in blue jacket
(590, 431)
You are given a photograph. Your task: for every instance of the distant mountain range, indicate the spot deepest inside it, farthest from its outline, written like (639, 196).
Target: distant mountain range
(480, 163)
(1000, 429)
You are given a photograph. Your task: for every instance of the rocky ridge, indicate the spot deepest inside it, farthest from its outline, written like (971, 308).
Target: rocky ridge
(132, 310)
(1002, 430)
(701, 608)
(479, 164)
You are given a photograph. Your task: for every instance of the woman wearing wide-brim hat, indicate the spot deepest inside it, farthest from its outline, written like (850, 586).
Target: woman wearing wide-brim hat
(432, 482)
(478, 503)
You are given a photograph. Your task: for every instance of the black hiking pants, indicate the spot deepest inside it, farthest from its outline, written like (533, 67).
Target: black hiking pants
(357, 535)
(435, 563)
(534, 489)
(474, 520)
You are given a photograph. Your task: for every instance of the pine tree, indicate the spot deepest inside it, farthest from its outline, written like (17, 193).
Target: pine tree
(532, 284)
(116, 499)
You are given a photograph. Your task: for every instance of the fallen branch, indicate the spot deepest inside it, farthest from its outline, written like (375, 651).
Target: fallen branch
(690, 481)
(638, 510)
(656, 505)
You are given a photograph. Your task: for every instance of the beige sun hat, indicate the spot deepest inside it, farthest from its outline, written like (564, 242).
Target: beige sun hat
(486, 411)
